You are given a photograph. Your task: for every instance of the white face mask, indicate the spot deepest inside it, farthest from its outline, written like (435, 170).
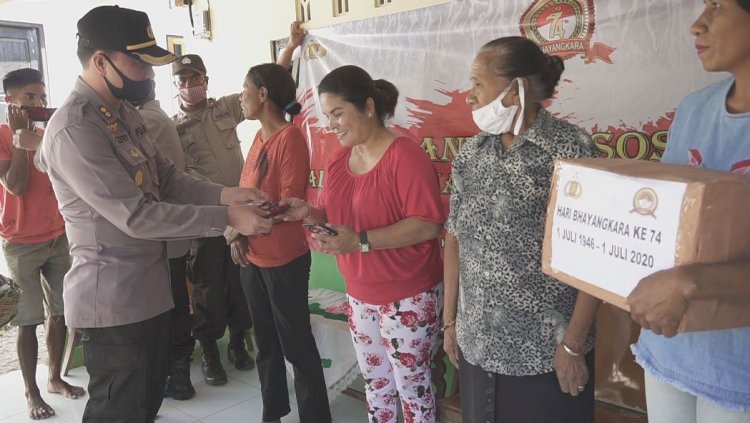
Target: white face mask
(494, 118)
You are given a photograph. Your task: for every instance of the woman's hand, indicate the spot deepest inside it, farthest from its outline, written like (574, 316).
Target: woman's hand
(347, 241)
(239, 248)
(572, 373)
(450, 344)
(659, 302)
(298, 209)
(236, 196)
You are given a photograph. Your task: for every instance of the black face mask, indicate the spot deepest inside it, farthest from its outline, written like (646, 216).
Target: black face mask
(133, 91)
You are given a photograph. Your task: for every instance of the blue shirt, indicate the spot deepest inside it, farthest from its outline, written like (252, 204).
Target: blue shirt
(714, 364)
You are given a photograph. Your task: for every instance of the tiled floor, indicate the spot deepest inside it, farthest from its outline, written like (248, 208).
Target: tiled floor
(237, 401)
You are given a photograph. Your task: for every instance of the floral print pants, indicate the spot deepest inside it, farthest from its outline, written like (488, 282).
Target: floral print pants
(394, 344)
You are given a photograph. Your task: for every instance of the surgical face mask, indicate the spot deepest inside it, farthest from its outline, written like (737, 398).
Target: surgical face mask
(494, 118)
(193, 95)
(132, 91)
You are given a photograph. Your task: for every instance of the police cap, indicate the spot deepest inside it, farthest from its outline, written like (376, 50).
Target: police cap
(191, 62)
(120, 29)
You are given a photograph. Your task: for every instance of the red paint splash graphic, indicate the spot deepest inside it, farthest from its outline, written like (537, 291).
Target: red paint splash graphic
(628, 142)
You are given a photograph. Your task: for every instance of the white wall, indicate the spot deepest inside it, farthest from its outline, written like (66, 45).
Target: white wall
(241, 34)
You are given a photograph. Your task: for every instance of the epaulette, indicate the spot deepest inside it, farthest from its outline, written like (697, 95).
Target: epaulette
(76, 110)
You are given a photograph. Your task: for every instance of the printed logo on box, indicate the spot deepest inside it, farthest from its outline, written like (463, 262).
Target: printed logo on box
(645, 202)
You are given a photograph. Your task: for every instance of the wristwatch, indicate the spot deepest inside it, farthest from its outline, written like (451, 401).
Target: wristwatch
(364, 244)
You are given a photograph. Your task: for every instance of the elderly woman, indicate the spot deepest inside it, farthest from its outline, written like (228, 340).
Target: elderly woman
(522, 340)
(703, 377)
(381, 197)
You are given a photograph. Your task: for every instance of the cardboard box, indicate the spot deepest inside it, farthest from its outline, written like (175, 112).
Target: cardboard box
(611, 222)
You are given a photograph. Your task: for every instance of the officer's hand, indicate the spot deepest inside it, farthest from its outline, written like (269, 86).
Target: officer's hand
(248, 220)
(296, 34)
(26, 139)
(18, 119)
(236, 196)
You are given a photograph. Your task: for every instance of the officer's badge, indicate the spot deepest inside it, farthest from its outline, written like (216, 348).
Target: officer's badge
(134, 153)
(139, 178)
(113, 127)
(186, 61)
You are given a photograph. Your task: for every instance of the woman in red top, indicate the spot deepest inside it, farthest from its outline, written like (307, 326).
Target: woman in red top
(381, 196)
(276, 267)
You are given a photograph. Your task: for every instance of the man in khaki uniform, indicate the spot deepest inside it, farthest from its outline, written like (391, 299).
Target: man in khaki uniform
(112, 184)
(207, 129)
(181, 342)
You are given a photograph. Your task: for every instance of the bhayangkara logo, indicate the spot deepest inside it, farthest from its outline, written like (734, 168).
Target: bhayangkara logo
(315, 50)
(645, 202)
(564, 28)
(573, 189)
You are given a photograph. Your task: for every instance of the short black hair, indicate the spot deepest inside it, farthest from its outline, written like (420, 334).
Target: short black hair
(745, 4)
(20, 78)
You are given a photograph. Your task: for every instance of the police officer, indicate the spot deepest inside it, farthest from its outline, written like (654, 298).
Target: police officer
(207, 129)
(181, 342)
(111, 182)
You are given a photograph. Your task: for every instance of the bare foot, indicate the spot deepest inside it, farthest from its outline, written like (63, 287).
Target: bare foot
(59, 386)
(38, 409)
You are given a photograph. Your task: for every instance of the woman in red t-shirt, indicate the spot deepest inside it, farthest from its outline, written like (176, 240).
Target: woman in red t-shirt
(382, 199)
(276, 267)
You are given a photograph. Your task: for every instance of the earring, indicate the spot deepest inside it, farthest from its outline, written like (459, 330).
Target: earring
(369, 114)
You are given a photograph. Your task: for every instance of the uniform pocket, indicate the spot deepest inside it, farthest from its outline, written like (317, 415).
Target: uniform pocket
(226, 127)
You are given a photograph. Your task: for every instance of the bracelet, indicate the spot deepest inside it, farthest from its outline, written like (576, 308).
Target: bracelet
(447, 325)
(569, 350)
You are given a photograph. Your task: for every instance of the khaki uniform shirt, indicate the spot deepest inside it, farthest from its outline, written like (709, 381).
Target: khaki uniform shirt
(209, 140)
(110, 180)
(162, 130)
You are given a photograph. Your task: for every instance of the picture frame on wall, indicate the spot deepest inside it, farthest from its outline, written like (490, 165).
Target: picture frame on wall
(176, 44)
(277, 46)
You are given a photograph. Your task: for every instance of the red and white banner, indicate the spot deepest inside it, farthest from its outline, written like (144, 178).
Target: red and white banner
(628, 64)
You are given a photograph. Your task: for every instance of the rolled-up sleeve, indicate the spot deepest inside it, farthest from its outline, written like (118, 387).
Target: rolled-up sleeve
(82, 158)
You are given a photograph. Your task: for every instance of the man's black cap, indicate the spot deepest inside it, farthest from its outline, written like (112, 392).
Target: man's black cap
(120, 29)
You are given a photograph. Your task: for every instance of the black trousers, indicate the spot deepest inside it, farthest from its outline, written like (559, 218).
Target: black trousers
(127, 367)
(277, 297)
(181, 342)
(491, 397)
(218, 299)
